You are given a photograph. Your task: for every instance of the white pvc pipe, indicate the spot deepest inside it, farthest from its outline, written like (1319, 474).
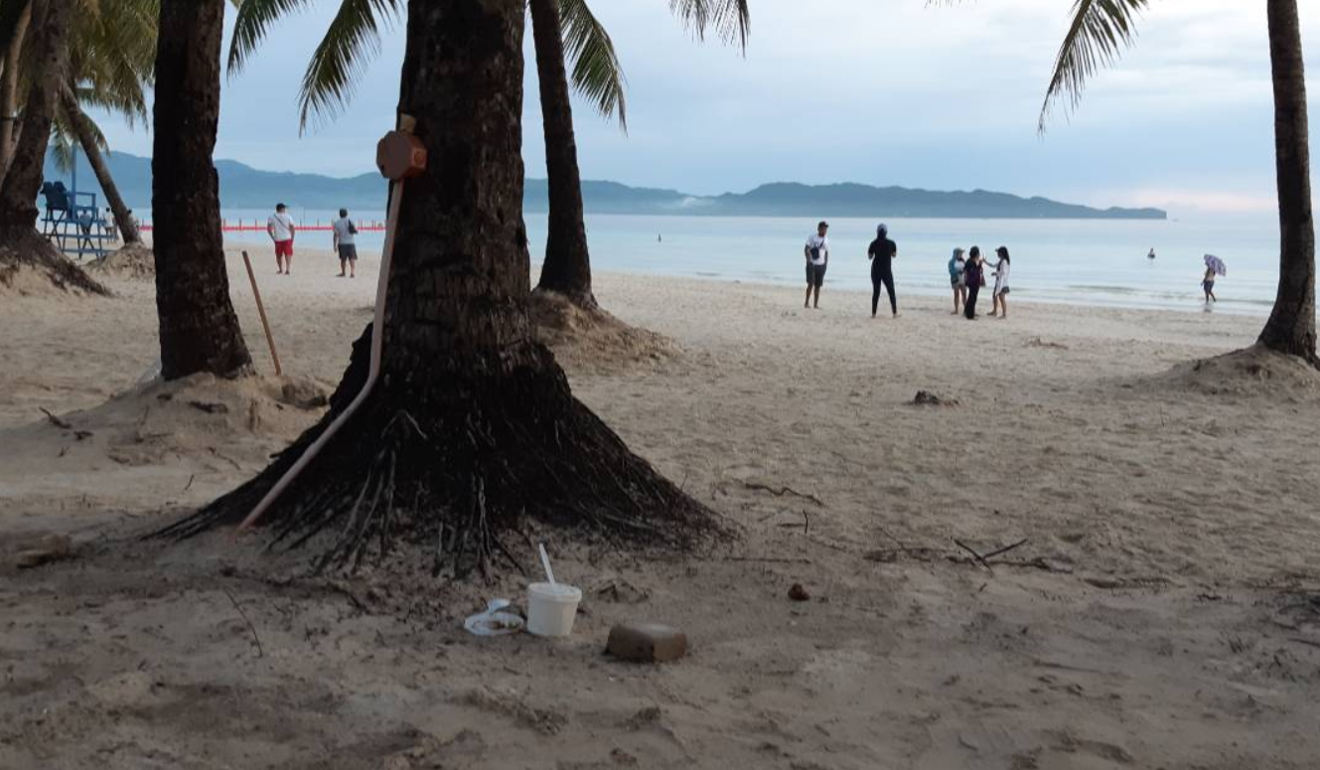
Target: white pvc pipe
(377, 334)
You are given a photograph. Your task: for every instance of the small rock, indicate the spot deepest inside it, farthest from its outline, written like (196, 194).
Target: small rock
(926, 398)
(646, 643)
(798, 594)
(304, 394)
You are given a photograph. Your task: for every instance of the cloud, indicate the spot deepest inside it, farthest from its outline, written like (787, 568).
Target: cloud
(855, 90)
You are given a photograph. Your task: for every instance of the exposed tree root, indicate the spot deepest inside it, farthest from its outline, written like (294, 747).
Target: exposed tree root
(458, 462)
(29, 264)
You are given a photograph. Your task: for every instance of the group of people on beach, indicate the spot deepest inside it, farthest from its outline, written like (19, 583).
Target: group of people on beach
(967, 273)
(281, 229)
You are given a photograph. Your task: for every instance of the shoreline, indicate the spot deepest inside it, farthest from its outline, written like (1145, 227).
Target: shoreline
(1254, 309)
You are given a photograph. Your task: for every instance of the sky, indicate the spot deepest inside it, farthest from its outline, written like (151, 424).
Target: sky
(874, 91)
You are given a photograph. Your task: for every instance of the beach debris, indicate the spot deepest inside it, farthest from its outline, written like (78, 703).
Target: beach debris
(47, 549)
(798, 594)
(616, 589)
(1037, 342)
(496, 620)
(646, 643)
(209, 407)
(56, 421)
(927, 398)
(984, 559)
(781, 491)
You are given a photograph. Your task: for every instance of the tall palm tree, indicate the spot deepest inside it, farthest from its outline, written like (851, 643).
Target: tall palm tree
(199, 330)
(472, 426)
(1099, 31)
(111, 64)
(20, 244)
(566, 34)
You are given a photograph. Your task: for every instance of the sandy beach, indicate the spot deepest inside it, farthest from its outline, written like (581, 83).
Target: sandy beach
(1163, 611)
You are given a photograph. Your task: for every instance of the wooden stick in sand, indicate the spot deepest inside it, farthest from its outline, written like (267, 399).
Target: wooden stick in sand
(261, 311)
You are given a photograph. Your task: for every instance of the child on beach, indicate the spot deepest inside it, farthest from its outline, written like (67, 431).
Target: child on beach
(1208, 285)
(1001, 284)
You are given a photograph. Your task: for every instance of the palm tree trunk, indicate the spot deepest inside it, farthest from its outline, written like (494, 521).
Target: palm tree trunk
(9, 91)
(472, 426)
(567, 267)
(87, 140)
(18, 193)
(1291, 327)
(199, 331)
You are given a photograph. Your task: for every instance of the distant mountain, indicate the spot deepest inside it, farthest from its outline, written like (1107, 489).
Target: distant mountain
(244, 187)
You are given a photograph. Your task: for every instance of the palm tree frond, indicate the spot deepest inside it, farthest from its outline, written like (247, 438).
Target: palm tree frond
(597, 74)
(251, 24)
(1099, 32)
(730, 19)
(341, 58)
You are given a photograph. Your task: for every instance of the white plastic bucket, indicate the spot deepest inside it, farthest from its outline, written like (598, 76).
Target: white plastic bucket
(551, 608)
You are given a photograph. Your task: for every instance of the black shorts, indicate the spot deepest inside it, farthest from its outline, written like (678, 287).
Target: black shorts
(348, 252)
(816, 274)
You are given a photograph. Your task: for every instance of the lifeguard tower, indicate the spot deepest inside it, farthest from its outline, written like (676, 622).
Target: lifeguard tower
(73, 220)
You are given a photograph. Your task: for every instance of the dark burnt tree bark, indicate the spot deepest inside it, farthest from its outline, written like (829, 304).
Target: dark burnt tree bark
(1291, 327)
(20, 243)
(471, 424)
(9, 84)
(82, 126)
(567, 266)
(199, 331)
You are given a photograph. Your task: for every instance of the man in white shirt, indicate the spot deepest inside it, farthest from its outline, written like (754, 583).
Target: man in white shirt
(817, 252)
(345, 243)
(281, 230)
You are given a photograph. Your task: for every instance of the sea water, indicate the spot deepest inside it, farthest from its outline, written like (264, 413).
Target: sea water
(1083, 262)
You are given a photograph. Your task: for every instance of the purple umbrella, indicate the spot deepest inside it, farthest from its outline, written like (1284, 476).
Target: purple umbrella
(1216, 264)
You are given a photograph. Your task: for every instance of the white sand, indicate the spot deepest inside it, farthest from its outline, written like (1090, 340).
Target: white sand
(1167, 618)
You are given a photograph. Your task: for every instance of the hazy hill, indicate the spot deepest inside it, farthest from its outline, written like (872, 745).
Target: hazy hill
(244, 187)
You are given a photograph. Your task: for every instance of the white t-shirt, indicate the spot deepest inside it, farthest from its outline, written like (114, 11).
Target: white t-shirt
(1001, 276)
(821, 242)
(282, 225)
(342, 233)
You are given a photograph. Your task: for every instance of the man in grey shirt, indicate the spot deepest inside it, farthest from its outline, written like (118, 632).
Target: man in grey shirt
(345, 231)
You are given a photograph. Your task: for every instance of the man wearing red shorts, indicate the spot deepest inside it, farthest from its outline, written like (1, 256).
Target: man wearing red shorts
(280, 228)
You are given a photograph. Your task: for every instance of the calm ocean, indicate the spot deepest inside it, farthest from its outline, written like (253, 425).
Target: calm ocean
(1089, 262)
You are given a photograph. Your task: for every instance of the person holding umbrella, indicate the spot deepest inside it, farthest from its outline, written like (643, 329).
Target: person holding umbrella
(1213, 266)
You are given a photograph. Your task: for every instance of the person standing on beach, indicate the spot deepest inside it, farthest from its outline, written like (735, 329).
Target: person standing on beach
(1208, 286)
(882, 253)
(1001, 283)
(956, 265)
(281, 230)
(817, 252)
(345, 246)
(974, 276)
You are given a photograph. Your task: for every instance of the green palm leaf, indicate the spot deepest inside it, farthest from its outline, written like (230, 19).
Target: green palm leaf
(596, 72)
(730, 19)
(253, 20)
(1099, 31)
(342, 56)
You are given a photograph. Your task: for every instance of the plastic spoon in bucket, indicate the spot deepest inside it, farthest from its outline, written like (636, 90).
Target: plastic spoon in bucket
(545, 562)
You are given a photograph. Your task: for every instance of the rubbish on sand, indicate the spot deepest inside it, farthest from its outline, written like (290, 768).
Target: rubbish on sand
(494, 621)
